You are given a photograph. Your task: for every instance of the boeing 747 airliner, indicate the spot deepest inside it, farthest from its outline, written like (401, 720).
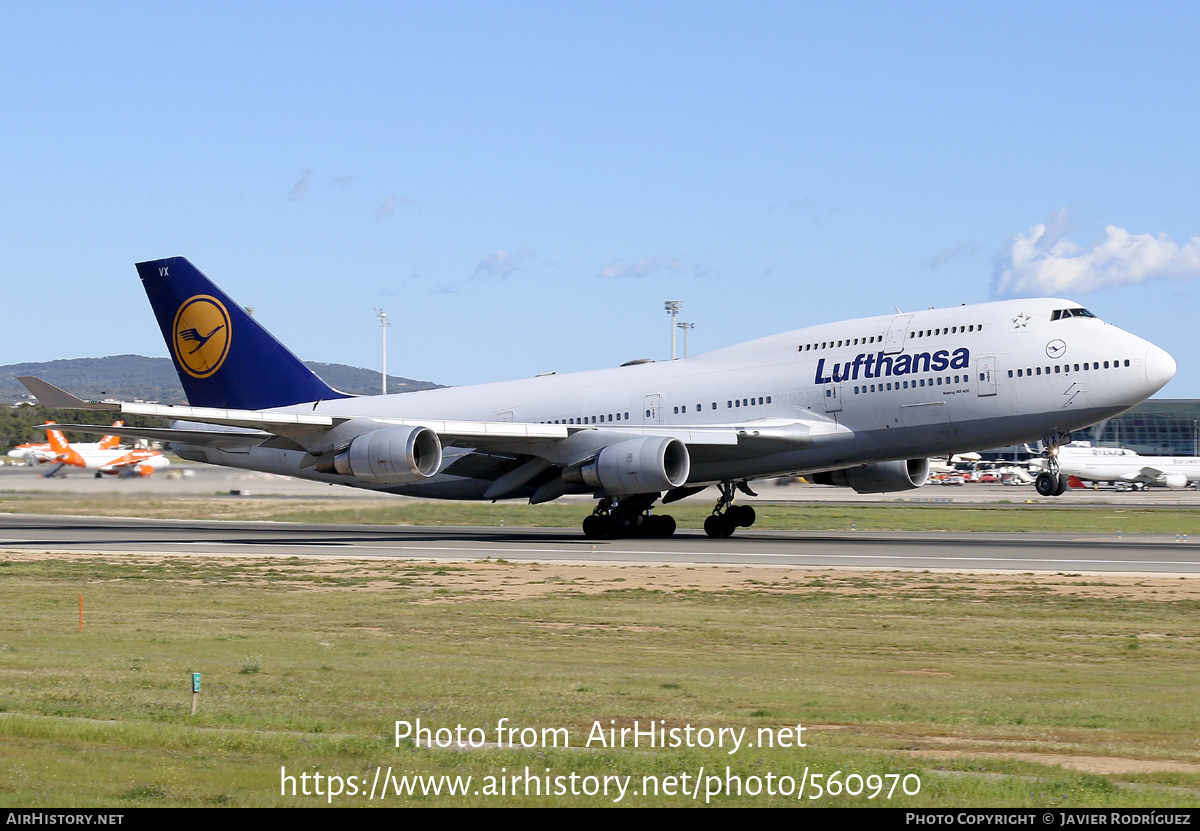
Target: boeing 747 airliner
(862, 404)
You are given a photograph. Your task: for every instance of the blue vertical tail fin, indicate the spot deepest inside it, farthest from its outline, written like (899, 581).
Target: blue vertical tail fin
(223, 356)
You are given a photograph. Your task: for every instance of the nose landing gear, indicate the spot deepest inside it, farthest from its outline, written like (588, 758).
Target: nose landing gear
(1052, 482)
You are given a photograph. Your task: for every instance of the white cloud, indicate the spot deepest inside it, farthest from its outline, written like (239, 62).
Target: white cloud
(300, 189)
(390, 203)
(1045, 262)
(641, 267)
(501, 265)
(963, 249)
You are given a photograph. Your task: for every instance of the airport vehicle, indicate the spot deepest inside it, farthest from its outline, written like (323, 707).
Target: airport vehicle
(860, 403)
(114, 461)
(37, 453)
(1124, 467)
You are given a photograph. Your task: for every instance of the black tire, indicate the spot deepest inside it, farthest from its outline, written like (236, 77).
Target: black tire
(1063, 483)
(719, 526)
(1046, 484)
(666, 526)
(745, 515)
(594, 527)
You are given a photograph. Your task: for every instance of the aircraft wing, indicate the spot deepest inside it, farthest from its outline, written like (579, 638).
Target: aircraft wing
(307, 430)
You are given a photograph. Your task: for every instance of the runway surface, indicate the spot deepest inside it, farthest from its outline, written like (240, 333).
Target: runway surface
(1147, 554)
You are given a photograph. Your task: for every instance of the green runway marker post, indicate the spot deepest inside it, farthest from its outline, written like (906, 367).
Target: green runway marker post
(195, 690)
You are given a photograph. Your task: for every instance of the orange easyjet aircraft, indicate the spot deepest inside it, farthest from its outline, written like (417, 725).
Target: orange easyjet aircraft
(40, 452)
(113, 460)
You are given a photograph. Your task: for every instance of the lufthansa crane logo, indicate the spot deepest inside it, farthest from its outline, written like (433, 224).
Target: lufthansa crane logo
(201, 335)
(1056, 349)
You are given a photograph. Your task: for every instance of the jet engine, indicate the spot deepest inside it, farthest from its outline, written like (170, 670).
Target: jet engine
(883, 477)
(653, 463)
(1176, 481)
(390, 456)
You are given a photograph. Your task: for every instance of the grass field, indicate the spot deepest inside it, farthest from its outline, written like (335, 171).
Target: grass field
(997, 517)
(1021, 690)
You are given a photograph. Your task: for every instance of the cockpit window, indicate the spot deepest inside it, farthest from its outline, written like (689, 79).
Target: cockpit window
(1060, 314)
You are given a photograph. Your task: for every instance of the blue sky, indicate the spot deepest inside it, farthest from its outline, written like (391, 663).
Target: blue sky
(520, 185)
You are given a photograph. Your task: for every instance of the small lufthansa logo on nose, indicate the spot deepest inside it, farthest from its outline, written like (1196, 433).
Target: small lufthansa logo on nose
(201, 335)
(1056, 348)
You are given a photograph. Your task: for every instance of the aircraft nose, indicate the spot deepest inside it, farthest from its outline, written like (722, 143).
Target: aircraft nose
(1160, 367)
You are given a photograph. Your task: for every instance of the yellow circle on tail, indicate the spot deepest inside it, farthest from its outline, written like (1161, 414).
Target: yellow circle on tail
(201, 335)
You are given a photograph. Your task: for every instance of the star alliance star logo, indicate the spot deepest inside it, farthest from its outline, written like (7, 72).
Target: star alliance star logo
(1020, 320)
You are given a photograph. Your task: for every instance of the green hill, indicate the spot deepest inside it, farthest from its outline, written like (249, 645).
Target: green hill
(137, 378)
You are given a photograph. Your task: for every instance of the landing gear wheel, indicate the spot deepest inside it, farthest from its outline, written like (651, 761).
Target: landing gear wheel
(594, 527)
(742, 515)
(1063, 483)
(1047, 484)
(719, 526)
(666, 526)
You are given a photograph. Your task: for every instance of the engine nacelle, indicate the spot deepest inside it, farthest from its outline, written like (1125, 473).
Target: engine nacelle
(883, 477)
(653, 463)
(1176, 481)
(391, 456)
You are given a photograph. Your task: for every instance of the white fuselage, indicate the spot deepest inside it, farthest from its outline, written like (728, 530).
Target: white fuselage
(1118, 464)
(871, 390)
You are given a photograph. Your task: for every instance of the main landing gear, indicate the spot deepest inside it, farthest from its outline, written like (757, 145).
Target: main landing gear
(1052, 482)
(727, 517)
(630, 517)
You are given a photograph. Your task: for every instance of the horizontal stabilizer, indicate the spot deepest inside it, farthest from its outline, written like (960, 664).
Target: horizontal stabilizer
(51, 396)
(204, 438)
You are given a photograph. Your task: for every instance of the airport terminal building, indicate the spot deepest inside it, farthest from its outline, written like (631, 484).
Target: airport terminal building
(1158, 427)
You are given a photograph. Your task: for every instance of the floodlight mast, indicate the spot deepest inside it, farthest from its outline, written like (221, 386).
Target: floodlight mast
(685, 327)
(383, 324)
(673, 308)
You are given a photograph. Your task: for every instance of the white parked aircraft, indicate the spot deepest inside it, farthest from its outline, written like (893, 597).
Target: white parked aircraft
(860, 403)
(1117, 464)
